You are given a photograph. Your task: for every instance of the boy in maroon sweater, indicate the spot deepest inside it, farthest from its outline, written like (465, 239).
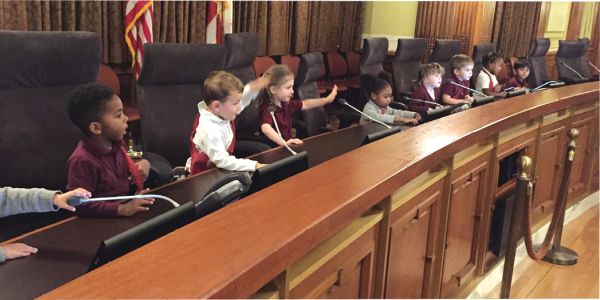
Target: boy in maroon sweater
(100, 164)
(519, 81)
(462, 70)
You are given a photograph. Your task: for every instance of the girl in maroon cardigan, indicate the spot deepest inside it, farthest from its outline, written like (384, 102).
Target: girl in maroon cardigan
(427, 88)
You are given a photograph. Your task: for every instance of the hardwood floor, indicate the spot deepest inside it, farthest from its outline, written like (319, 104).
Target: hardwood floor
(538, 279)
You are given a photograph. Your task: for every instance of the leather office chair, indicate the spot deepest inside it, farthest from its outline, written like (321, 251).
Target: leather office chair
(406, 65)
(442, 52)
(584, 60)
(261, 64)
(570, 53)
(305, 86)
(479, 51)
(537, 59)
(373, 54)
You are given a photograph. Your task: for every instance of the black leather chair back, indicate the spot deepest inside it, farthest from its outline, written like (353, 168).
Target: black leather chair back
(537, 59)
(571, 53)
(242, 50)
(443, 51)
(373, 54)
(306, 88)
(479, 51)
(407, 62)
(38, 72)
(168, 91)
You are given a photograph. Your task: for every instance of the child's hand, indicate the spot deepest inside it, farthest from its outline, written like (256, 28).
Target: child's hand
(418, 116)
(428, 109)
(144, 167)
(331, 96)
(259, 165)
(60, 200)
(294, 142)
(133, 206)
(260, 83)
(411, 121)
(503, 94)
(470, 99)
(17, 250)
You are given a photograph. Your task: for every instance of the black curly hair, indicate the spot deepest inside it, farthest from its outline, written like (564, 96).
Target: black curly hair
(375, 84)
(87, 104)
(490, 58)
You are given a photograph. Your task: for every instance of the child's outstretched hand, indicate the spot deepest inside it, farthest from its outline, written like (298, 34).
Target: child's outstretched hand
(411, 121)
(470, 99)
(144, 167)
(331, 96)
(260, 83)
(17, 250)
(417, 117)
(60, 200)
(133, 206)
(294, 142)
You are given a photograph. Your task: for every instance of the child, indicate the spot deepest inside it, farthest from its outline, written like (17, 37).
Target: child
(17, 201)
(213, 137)
(427, 87)
(486, 81)
(519, 81)
(100, 163)
(278, 94)
(462, 70)
(379, 90)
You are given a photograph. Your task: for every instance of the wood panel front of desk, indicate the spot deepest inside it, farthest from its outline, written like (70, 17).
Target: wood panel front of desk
(405, 217)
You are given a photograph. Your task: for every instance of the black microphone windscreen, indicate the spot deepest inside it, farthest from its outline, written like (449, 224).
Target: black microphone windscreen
(405, 98)
(342, 101)
(270, 109)
(448, 81)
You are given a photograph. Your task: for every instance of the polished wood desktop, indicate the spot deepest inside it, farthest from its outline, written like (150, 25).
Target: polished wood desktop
(349, 225)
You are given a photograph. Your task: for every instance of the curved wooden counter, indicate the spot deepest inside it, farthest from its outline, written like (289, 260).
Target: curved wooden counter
(407, 216)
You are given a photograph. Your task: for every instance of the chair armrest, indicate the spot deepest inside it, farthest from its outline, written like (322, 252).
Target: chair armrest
(398, 105)
(161, 171)
(248, 148)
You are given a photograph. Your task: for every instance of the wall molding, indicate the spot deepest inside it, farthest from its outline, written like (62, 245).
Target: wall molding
(393, 39)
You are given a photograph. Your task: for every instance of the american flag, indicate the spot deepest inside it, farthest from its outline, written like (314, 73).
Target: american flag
(138, 24)
(219, 20)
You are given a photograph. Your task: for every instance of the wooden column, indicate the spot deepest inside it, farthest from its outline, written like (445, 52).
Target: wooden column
(575, 21)
(543, 20)
(434, 21)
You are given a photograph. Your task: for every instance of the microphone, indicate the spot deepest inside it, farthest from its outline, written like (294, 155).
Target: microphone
(272, 112)
(572, 70)
(406, 99)
(342, 101)
(462, 86)
(549, 82)
(589, 62)
(510, 88)
(76, 201)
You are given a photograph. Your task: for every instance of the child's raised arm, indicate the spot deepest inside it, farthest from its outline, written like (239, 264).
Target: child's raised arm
(312, 103)
(268, 131)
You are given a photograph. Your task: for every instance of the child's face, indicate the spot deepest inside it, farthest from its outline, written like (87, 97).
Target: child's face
(495, 67)
(283, 92)
(433, 80)
(523, 73)
(114, 122)
(384, 97)
(464, 73)
(229, 108)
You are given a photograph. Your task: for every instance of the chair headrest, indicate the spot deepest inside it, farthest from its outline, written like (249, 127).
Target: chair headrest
(444, 50)
(410, 50)
(374, 51)
(570, 49)
(539, 47)
(585, 42)
(242, 49)
(309, 68)
(481, 50)
(33, 59)
(169, 63)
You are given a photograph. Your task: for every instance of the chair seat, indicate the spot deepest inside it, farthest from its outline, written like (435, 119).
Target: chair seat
(349, 83)
(322, 90)
(131, 113)
(329, 86)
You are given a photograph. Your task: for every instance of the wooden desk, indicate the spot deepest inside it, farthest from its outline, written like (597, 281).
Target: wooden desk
(66, 250)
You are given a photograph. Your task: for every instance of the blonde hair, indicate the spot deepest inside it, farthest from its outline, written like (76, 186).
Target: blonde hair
(278, 75)
(219, 85)
(459, 61)
(426, 70)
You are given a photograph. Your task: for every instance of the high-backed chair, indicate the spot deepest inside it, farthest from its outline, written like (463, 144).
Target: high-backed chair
(570, 56)
(537, 59)
(406, 64)
(585, 61)
(442, 53)
(479, 51)
(373, 54)
(38, 72)
(168, 91)
(306, 88)
(261, 64)
(338, 69)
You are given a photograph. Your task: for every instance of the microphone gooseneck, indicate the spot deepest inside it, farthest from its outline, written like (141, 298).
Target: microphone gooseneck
(572, 70)
(547, 83)
(406, 99)
(591, 64)
(75, 201)
(462, 86)
(272, 112)
(343, 102)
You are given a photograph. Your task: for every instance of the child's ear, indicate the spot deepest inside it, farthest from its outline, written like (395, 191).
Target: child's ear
(95, 128)
(373, 96)
(273, 89)
(455, 71)
(215, 105)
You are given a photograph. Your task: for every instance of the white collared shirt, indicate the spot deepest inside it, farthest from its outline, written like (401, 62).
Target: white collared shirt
(483, 80)
(214, 135)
